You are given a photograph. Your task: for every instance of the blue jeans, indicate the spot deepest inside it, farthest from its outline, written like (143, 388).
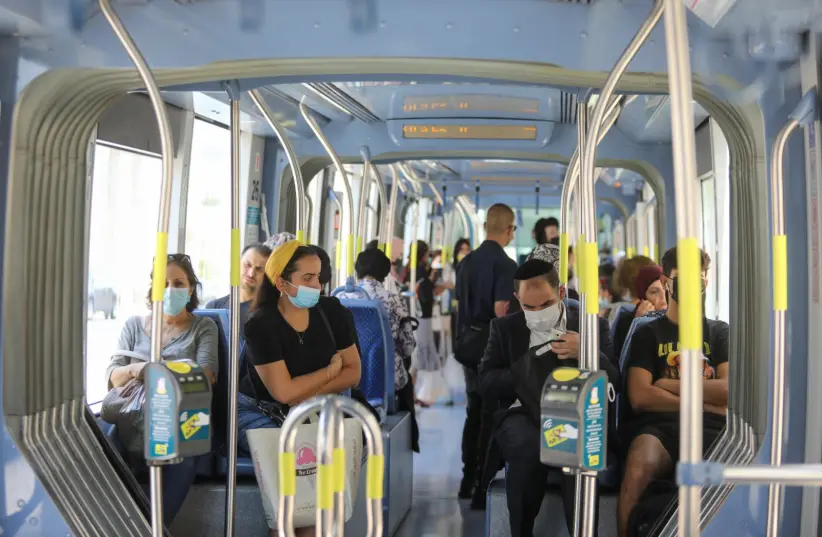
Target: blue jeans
(249, 417)
(177, 478)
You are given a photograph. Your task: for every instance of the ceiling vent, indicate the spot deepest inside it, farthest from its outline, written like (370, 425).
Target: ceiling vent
(344, 101)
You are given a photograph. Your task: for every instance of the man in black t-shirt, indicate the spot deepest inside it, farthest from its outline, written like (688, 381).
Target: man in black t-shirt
(485, 285)
(650, 422)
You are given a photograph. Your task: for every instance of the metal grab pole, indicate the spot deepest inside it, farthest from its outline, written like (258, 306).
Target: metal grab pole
(381, 222)
(315, 128)
(460, 210)
(688, 258)
(364, 191)
(391, 213)
(158, 282)
(331, 476)
(338, 254)
(805, 112)
(293, 162)
(233, 90)
(569, 187)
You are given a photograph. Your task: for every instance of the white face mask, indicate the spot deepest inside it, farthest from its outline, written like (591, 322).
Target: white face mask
(543, 320)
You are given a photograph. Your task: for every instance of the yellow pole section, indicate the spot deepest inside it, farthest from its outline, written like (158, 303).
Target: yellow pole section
(235, 257)
(388, 249)
(591, 278)
(158, 283)
(301, 236)
(350, 251)
(629, 252)
(413, 263)
(780, 273)
(645, 251)
(688, 279)
(581, 264)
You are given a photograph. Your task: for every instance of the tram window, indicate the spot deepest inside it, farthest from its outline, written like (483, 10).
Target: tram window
(317, 194)
(208, 212)
(124, 201)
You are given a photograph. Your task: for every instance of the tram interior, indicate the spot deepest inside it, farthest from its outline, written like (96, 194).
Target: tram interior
(487, 113)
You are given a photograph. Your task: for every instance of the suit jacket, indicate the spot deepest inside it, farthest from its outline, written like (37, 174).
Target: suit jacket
(505, 377)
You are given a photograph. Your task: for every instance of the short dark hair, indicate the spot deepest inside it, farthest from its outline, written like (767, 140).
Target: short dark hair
(551, 221)
(373, 263)
(184, 262)
(260, 248)
(372, 245)
(536, 268)
(669, 261)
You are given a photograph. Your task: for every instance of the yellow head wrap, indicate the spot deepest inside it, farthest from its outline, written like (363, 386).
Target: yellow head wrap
(279, 258)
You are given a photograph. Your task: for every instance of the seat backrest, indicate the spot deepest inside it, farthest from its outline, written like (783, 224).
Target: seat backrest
(219, 401)
(621, 308)
(377, 351)
(572, 302)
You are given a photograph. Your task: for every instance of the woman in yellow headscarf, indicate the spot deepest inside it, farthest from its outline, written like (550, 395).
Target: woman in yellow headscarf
(298, 344)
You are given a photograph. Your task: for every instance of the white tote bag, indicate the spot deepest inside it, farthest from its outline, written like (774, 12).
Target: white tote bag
(264, 445)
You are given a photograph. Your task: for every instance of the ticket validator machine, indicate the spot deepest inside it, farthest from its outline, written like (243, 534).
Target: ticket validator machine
(574, 420)
(177, 412)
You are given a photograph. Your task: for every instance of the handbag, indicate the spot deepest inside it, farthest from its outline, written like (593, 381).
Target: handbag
(471, 343)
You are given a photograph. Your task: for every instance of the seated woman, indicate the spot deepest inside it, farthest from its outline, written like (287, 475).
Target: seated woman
(298, 343)
(372, 269)
(184, 337)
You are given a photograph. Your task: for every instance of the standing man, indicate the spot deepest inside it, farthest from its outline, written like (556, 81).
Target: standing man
(485, 285)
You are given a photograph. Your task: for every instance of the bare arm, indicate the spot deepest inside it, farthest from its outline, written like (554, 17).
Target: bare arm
(122, 374)
(645, 396)
(349, 375)
(290, 390)
(715, 391)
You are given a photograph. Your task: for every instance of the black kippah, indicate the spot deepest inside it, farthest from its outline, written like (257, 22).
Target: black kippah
(532, 268)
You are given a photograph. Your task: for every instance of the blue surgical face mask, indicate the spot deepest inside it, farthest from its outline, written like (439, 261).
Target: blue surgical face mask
(307, 297)
(175, 300)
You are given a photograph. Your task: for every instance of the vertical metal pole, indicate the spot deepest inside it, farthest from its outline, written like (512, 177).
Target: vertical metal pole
(780, 306)
(391, 213)
(158, 282)
(688, 259)
(293, 162)
(233, 91)
(381, 222)
(364, 191)
(348, 268)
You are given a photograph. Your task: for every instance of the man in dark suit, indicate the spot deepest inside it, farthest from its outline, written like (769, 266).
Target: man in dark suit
(523, 349)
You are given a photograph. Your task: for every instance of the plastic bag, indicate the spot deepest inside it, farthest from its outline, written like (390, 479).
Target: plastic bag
(431, 387)
(123, 407)
(455, 377)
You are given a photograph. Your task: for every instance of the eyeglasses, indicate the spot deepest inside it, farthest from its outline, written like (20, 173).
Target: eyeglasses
(183, 259)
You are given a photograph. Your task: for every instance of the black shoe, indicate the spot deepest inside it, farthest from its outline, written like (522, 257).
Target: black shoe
(466, 490)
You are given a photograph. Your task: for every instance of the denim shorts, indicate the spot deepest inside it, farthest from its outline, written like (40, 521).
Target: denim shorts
(249, 417)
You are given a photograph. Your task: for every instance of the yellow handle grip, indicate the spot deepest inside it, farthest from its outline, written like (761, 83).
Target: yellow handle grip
(235, 257)
(689, 281)
(158, 281)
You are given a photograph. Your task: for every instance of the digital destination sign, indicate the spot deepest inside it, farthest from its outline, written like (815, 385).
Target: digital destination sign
(419, 104)
(470, 132)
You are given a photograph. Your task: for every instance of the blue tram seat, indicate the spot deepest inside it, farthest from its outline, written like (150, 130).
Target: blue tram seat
(376, 346)
(622, 307)
(573, 302)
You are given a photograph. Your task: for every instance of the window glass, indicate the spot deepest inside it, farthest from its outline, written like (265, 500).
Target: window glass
(208, 214)
(124, 202)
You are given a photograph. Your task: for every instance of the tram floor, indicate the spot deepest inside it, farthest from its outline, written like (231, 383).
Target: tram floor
(435, 510)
